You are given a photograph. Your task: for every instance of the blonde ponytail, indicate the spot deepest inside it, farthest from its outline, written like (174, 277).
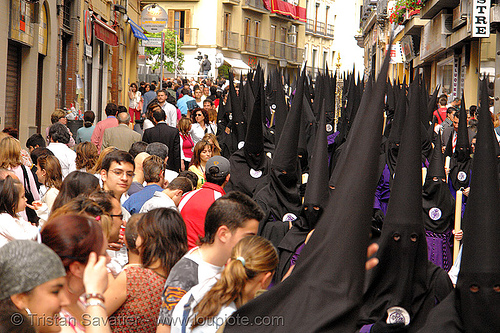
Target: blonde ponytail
(251, 256)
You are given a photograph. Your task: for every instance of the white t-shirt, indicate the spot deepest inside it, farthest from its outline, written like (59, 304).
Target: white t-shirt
(65, 156)
(189, 271)
(159, 200)
(193, 297)
(16, 228)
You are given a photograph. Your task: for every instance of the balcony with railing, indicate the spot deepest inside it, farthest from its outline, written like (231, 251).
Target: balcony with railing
(255, 45)
(319, 29)
(330, 30)
(286, 51)
(230, 40)
(255, 5)
(188, 36)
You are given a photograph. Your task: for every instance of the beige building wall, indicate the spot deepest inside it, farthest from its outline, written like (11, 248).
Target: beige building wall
(29, 70)
(319, 36)
(208, 18)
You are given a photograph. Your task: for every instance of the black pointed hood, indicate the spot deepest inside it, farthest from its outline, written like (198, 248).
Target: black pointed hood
(341, 155)
(400, 278)
(254, 140)
(317, 184)
(436, 163)
(431, 106)
(462, 146)
(280, 197)
(278, 104)
(438, 203)
(314, 200)
(477, 287)
(391, 100)
(392, 146)
(461, 161)
(238, 119)
(424, 101)
(285, 155)
(324, 291)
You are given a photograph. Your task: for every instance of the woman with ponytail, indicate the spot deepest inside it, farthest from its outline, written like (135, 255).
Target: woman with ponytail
(250, 269)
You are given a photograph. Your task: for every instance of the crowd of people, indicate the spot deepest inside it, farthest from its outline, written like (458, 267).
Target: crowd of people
(203, 203)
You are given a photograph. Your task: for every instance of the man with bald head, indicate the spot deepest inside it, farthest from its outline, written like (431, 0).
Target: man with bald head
(121, 136)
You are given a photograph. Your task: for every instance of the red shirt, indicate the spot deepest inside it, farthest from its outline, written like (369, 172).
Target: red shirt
(440, 114)
(194, 206)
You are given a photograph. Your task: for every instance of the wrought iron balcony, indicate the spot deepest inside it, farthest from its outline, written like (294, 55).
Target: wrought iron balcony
(286, 51)
(330, 29)
(319, 28)
(255, 5)
(230, 40)
(188, 36)
(255, 45)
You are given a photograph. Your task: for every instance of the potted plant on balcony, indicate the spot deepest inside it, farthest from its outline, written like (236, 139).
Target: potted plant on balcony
(403, 10)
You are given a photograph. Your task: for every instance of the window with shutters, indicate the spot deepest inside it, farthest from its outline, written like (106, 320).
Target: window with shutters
(180, 21)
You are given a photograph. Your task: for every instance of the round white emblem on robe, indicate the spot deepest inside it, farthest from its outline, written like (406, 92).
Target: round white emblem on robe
(329, 127)
(241, 144)
(255, 173)
(397, 315)
(289, 217)
(462, 176)
(273, 106)
(435, 213)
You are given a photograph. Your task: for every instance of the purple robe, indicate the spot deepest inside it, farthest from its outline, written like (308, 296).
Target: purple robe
(382, 192)
(439, 248)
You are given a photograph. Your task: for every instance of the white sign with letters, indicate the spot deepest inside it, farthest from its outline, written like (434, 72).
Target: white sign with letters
(481, 18)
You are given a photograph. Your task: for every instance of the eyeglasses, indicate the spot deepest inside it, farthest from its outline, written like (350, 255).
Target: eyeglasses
(117, 215)
(119, 173)
(198, 115)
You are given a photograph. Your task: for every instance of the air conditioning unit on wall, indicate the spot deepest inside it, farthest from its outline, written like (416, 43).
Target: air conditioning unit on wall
(445, 21)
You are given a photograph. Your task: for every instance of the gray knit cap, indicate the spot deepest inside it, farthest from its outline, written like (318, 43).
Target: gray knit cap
(25, 264)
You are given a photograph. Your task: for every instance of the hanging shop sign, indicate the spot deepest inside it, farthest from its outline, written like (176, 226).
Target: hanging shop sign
(407, 48)
(154, 18)
(219, 60)
(396, 54)
(87, 28)
(481, 18)
(22, 17)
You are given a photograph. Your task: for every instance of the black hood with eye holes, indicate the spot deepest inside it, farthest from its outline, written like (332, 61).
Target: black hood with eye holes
(438, 203)
(478, 285)
(402, 276)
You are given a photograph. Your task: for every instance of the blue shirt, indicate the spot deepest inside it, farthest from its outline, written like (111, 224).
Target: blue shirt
(84, 134)
(148, 97)
(135, 201)
(181, 103)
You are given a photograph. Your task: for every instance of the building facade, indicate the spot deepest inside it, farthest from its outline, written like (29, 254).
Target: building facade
(29, 45)
(64, 52)
(438, 40)
(319, 47)
(239, 33)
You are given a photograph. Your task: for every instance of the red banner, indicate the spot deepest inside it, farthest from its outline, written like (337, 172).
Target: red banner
(285, 8)
(105, 33)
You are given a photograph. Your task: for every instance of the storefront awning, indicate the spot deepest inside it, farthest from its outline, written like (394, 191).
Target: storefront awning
(237, 63)
(105, 33)
(137, 30)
